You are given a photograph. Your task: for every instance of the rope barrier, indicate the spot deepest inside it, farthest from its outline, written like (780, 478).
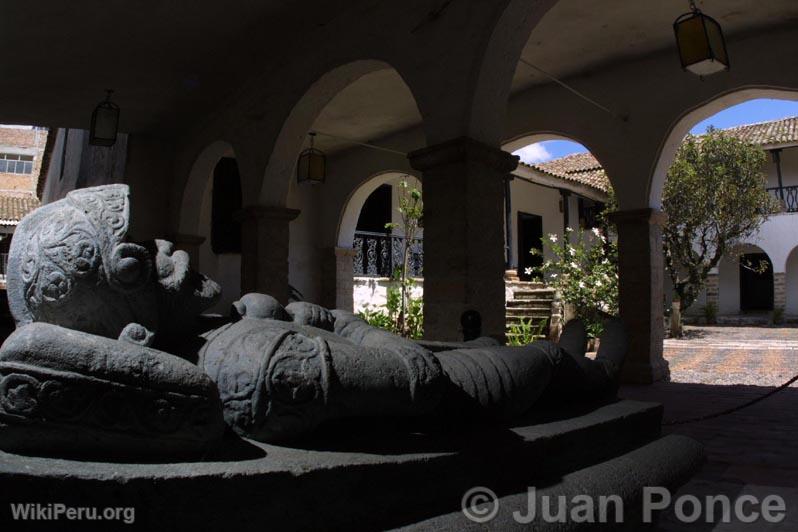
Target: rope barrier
(733, 409)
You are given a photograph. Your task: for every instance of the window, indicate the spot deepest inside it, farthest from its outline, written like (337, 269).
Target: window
(16, 164)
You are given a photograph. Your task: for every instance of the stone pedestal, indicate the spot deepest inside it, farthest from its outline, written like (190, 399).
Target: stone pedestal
(463, 235)
(190, 244)
(337, 278)
(641, 294)
(264, 249)
(384, 479)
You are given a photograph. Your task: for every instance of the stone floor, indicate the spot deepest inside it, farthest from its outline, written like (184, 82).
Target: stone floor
(752, 451)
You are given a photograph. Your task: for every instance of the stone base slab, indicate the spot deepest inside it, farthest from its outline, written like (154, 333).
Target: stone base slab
(385, 477)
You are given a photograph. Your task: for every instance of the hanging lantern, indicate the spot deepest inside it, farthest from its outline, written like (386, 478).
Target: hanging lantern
(312, 164)
(104, 122)
(702, 47)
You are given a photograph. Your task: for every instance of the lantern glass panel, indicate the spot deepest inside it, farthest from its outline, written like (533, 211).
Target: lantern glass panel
(716, 41)
(701, 46)
(105, 123)
(311, 167)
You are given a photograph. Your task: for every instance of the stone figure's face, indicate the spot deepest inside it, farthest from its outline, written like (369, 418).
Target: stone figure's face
(70, 264)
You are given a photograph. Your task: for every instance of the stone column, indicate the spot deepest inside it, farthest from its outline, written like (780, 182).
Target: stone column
(264, 249)
(641, 296)
(337, 278)
(779, 290)
(463, 235)
(713, 290)
(190, 244)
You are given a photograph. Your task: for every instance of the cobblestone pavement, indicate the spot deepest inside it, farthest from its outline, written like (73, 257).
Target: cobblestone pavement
(761, 356)
(750, 452)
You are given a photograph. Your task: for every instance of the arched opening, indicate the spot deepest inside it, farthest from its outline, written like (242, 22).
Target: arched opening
(207, 228)
(706, 114)
(371, 225)
(558, 187)
(746, 282)
(350, 109)
(765, 119)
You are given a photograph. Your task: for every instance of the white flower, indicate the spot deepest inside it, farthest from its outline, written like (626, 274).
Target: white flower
(598, 283)
(571, 251)
(574, 265)
(569, 229)
(553, 275)
(528, 271)
(581, 284)
(553, 237)
(596, 231)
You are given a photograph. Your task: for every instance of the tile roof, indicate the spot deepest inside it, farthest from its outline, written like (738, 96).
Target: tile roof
(585, 169)
(580, 168)
(782, 131)
(13, 206)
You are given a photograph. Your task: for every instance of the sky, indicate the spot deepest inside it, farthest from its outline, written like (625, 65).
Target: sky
(750, 112)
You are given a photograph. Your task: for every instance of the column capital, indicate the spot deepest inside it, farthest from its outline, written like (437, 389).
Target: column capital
(462, 149)
(266, 212)
(647, 215)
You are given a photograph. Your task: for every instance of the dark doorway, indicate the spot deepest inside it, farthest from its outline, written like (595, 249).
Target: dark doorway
(530, 236)
(226, 202)
(756, 282)
(376, 211)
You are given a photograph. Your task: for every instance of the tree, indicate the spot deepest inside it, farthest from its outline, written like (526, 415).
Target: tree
(714, 197)
(411, 211)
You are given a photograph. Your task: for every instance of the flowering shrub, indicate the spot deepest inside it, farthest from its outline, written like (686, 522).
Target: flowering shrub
(387, 317)
(585, 272)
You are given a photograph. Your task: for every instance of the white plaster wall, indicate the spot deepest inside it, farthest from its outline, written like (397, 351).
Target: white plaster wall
(372, 292)
(304, 266)
(542, 201)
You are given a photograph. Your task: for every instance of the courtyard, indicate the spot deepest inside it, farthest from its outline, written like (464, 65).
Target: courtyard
(750, 451)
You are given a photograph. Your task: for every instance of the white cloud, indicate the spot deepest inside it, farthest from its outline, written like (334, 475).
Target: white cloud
(534, 153)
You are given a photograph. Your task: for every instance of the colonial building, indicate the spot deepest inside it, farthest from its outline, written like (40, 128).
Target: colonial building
(22, 151)
(448, 91)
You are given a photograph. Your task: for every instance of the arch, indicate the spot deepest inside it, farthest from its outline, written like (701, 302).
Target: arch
(511, 32)
(199, 179)
(347, 223)
(281, 163)
(526, 139)
(687, 120)
(729, 294)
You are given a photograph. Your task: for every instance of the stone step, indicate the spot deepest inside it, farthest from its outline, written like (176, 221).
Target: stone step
(368, 479)
(527, 313)
(547, 293)
(529, 303)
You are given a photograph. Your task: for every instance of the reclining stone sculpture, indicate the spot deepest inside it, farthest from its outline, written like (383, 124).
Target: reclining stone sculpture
(82, 374)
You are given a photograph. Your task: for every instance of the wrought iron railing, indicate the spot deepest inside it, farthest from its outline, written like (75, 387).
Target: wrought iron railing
(788, 196)
(378, 255)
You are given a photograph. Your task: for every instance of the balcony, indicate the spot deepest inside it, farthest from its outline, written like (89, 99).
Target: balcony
(379, 254)
(788, 196)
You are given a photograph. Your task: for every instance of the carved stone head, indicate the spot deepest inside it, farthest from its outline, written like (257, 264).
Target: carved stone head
(70, 265)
